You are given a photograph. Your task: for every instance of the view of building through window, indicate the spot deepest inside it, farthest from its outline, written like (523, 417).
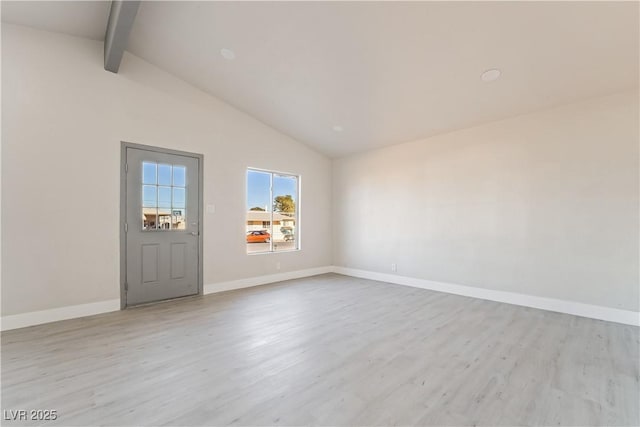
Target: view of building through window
(272, 216)
(163, 196)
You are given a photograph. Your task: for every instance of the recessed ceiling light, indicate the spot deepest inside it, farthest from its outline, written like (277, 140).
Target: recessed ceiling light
(490, 75)
(228, 54)
(337, 128)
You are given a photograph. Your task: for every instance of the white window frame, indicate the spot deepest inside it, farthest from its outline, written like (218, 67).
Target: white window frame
(271, 173)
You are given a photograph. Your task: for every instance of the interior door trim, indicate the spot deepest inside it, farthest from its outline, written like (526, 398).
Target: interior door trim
(123, 210)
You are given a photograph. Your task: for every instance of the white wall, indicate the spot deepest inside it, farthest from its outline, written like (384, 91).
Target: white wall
(63, 118)
(544, 204)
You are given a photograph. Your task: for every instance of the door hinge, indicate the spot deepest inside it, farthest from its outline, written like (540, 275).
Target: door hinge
(126, 287)
(126, 167)
(126, 227)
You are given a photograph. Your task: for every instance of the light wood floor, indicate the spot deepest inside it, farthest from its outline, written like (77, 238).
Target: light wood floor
(326, 350)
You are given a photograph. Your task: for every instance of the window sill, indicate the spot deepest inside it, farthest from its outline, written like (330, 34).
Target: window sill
(274, 252)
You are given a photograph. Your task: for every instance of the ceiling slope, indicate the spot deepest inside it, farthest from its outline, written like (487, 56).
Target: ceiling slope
(381, 72)
(77, 18)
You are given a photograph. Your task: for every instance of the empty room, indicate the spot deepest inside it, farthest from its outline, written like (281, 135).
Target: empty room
(320, 213)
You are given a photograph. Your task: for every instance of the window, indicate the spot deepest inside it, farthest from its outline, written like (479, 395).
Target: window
(163, 196)
(272, 211)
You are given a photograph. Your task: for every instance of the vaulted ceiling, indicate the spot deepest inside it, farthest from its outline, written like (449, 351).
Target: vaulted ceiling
(379, 72)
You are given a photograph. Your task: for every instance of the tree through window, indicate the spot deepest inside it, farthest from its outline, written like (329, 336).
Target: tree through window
(272, 211)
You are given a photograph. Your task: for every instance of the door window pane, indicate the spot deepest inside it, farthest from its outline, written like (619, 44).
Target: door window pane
(178, 198)
(179, 176)
(149, 173)
(164, 174)
(178, 219)
(164, 218)
(149, 196)
(164, 196)
(149, 218)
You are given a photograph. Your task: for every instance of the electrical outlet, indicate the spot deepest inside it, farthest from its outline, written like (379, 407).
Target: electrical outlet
(394, 267)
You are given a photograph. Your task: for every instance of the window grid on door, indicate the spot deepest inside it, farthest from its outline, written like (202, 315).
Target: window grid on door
(164, 196)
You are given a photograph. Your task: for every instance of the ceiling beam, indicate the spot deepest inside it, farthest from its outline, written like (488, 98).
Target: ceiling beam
(121, 18)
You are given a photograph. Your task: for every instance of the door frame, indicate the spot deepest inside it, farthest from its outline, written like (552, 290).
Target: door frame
(123, 210)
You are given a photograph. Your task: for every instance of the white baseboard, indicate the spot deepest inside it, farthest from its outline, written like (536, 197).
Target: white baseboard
(626, 317)
(263, 280)
(71, 312)
(53, 315)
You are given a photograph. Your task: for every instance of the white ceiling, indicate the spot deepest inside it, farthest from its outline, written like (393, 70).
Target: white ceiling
(387, 72)
(77, 18)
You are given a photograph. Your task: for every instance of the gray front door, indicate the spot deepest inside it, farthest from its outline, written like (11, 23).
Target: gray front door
(161, 226)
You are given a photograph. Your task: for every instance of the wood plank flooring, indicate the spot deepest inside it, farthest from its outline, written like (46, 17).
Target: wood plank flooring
(325, 350)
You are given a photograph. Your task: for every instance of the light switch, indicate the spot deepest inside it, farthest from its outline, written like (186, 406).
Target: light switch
(211, 209)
